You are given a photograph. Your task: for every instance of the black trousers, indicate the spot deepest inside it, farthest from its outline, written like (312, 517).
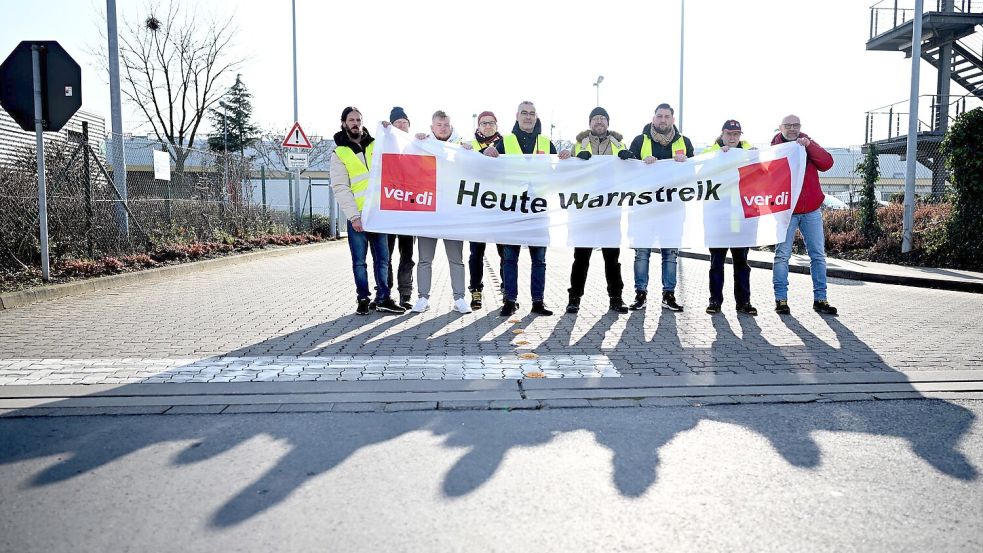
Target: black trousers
(742, 275)
(612, 271)
(405, 272)
(475, 261)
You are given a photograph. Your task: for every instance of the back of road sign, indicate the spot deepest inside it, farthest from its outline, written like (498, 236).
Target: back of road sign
(61, 85)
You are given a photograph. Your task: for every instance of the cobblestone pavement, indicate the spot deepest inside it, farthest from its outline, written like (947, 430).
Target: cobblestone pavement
(291, 318)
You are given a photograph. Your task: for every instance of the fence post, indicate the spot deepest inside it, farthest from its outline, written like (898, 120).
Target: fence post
(290, 194)
(262, 177)
(88, 188)
(310, 202)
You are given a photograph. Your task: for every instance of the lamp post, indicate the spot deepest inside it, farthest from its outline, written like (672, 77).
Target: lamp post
(225, 140)
(597, 84)
(682, 34)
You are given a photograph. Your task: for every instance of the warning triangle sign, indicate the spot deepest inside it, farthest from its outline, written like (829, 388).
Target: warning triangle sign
(296, 138)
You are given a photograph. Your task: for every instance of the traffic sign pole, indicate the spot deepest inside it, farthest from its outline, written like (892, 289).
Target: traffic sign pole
(42, 192)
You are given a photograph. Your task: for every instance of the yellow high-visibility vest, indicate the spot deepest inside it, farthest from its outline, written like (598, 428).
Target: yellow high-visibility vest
(358, 172)
(714, 147)
(585, 145)
(512, 144)
(678, 144)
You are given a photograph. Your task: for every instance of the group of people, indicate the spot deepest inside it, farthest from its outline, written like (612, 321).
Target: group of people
(659, 140)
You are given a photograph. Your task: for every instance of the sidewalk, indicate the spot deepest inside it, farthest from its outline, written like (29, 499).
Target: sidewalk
(886, 273)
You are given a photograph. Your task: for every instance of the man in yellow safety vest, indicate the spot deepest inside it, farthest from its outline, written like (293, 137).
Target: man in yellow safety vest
(350, 181)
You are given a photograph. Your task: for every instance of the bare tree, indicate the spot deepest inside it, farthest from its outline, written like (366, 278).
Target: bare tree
(173, 68)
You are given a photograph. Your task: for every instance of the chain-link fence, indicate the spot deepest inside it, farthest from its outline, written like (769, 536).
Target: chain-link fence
(187, 196)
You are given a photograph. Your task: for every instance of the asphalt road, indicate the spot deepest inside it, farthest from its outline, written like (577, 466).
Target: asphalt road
(862, 476)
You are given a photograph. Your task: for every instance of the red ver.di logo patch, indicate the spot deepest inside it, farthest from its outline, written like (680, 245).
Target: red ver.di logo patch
(766, 187)
(409, 182)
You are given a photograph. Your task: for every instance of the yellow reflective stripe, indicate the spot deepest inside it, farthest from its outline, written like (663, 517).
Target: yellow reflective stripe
(679, 144)
(585, 145)
(512, 144)
(358, 172)
(646, 147)
(542, 144)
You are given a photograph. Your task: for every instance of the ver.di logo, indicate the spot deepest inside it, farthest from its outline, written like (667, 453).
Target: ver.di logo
(409, 182)
(766, 187)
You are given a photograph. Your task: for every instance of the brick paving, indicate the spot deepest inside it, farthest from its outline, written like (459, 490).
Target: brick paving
(290, 318)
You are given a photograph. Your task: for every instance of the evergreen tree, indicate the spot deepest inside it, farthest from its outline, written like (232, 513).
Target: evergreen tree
(870, 172)
(233, 121)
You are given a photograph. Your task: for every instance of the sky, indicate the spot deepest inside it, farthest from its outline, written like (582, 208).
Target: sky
(754, 61)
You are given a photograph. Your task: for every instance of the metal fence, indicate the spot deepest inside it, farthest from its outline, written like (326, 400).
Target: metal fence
(207, 196)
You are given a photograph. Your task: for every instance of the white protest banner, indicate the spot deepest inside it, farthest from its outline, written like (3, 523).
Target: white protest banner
(440, 190)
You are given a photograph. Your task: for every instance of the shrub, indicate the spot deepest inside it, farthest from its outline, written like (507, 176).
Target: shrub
(962, 150)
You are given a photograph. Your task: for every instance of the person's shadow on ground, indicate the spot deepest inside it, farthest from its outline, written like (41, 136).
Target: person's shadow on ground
(321, 442)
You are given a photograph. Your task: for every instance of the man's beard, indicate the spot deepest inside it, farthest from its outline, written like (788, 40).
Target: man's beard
(601, 134)
(663, 130)
(354, 135)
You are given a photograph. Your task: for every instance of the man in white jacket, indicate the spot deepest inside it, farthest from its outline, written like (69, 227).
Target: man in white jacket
(440, 129)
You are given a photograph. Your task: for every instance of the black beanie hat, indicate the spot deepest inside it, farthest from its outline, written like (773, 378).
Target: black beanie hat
(599, 111)
(346, 111)
(397, 113)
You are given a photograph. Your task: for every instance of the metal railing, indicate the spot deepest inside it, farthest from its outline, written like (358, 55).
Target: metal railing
(891, 121)
(888, 14)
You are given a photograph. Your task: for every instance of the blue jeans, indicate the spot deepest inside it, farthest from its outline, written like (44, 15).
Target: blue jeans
(360, 243)
(510, 272)
(668, 268)
(811, 226)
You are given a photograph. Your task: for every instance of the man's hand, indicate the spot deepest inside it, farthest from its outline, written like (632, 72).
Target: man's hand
(625, 154)
(421, 136)
(385, 124)
(357, 224)
(650, 160)
(564, 154)
(467, 145)
(724, 148)
(679, 157)
(490, 151)
(804, 142)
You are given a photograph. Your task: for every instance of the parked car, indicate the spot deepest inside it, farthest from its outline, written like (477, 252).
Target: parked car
(834, 203)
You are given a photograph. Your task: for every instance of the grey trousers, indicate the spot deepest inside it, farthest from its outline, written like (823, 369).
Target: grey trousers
(427, 247)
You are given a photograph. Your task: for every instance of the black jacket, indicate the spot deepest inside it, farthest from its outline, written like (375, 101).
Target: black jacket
(527, 141)
(341, 139)
(658, 150)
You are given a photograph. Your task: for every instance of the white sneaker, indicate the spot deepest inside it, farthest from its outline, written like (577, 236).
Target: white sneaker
(421, 305)
(461, 306)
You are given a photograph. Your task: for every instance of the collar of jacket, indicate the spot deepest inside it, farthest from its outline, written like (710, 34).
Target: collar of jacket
(341, 139)
(647, 131)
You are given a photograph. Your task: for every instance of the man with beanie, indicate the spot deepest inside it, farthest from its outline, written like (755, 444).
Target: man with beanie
(730, 137)
(660, 139)
(486, 135)
(597, 140)
(526, 138)
(404, 274)
(350, 163)
(807, 218)
(440, 129)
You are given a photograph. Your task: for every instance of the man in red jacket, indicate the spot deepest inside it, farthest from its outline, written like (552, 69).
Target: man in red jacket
(807, 218)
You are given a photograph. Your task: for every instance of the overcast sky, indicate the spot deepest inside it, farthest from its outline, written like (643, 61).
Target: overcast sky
(752, 61)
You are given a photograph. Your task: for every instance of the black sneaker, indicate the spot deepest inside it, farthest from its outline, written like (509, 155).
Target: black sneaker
(373, 305)
(823, 306)
(389, 306)
(574, 305)
(539, 308)
(639, 300)
(405, 303)
(508, 309)
(714, 307)
(363, 307)
(618, 305)
(781, 307)
(669, 302)
(747, 309)
(476, 299)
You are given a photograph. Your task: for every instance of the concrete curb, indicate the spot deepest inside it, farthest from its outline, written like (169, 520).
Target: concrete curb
(10, 300)
(837, 272)
(468, 395)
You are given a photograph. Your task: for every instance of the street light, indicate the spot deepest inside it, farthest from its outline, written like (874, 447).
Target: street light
(597, 84)
(682, 43)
